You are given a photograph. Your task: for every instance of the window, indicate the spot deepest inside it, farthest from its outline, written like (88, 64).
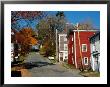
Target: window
(85, 60)
(61, 54)
(93, 48)
(65, 38)
(93, 40)
(84, 47)
(66, 55)
(65, 47)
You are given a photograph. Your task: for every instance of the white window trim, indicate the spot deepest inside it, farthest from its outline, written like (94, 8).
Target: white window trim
(84, 61)
(82, 47)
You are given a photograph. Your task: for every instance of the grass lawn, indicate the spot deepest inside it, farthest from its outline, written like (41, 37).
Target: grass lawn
(90, 74)
(68, 66)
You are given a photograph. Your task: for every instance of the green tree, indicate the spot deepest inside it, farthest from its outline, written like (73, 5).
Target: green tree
(47, 30)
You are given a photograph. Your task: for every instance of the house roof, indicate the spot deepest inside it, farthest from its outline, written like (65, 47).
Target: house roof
(84, 30)
(95, 35)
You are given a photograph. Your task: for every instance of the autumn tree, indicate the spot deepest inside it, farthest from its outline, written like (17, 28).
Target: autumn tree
(25, 38)
(19, 37)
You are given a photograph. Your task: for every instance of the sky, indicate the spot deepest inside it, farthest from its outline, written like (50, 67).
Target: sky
(81, 16)
(72, 17)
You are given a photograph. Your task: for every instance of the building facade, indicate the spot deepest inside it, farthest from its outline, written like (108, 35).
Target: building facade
(63, 47)
(79, 48)
(95, 52)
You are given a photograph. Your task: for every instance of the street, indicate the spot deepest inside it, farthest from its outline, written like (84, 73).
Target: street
(39, 66)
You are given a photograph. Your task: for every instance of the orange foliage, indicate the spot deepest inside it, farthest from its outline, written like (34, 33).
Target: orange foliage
(27, 32)
(19, 37)
(33, 41)
(25, 37)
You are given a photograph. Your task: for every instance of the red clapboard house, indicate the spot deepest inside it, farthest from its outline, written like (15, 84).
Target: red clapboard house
(79, 47)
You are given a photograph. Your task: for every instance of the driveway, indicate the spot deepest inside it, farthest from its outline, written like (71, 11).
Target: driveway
(39, 66)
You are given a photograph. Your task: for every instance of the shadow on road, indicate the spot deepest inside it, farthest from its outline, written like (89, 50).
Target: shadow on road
(15, 73)
(29, 65)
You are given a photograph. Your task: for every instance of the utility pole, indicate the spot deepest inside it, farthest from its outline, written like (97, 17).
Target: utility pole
(56, 45)
(80, 45)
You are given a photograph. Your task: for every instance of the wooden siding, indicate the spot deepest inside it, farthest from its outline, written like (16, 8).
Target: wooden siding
(84, 39)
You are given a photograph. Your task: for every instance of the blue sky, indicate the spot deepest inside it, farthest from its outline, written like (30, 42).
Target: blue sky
(80, 16)
(72, 17)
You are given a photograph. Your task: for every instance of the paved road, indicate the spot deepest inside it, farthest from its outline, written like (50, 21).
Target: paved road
(39, 66)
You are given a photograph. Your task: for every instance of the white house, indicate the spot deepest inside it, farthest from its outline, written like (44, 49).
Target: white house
(15, 47)
(12, 52)
(95, 52)
(63, 47)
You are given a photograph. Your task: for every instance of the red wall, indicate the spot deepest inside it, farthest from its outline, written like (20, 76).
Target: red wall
(70, 45)
(84, 39)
